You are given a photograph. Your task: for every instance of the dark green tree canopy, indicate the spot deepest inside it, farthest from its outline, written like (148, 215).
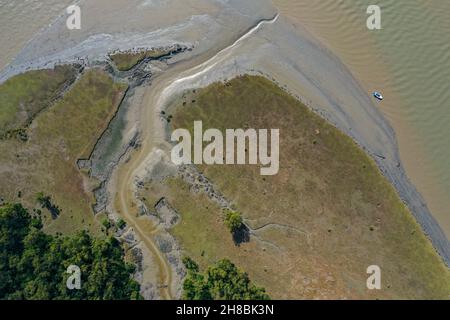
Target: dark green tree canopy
(223, 281)
(233, 220)
(33, 264)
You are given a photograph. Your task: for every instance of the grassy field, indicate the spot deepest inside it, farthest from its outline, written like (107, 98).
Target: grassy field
(58, 136)
(23, 96)
(125, 61)
(318, 224)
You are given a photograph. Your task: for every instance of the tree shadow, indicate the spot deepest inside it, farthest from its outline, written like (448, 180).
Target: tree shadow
(54, 211)
(241, 235)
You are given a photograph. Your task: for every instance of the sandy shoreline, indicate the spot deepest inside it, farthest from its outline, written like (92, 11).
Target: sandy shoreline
(285, 53)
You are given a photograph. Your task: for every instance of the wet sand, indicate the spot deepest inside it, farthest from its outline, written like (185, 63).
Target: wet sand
(108, 25)
(21, 20)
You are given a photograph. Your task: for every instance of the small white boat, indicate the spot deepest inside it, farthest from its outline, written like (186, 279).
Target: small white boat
(378, 95)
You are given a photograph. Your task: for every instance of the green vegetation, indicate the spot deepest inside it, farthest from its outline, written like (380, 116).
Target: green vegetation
(58, 136)
(33, 264)
(125, 61)
(25, 95)
(106, 223)
(233, 220)
(121, 224)
(314, 227)
(223, 281)
(46, 202)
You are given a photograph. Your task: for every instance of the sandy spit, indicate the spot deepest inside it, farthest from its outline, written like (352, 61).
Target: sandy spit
(289, 56)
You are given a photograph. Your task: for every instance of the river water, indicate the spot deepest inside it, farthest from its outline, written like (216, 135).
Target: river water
(20, 20)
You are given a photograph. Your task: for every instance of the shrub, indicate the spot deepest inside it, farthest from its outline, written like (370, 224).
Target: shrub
(233, 220)
(222, 281)
(121, 224)
(36, 263)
